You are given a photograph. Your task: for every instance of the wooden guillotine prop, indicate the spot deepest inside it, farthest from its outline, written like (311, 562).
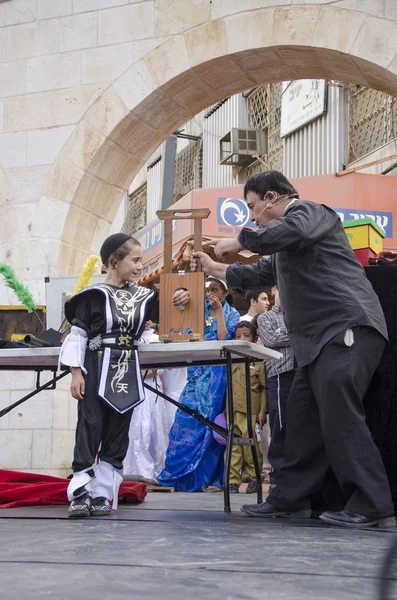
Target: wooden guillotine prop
(182, 323)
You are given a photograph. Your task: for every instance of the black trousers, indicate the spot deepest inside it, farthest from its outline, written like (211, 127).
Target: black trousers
(100, 429)
(327, 428)
(278, 388)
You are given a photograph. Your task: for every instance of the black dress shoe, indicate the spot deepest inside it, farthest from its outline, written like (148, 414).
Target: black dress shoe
(266, 510)
(234, 488)
(347, 518)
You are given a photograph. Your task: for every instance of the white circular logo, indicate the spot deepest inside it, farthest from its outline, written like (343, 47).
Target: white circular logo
(234, 212)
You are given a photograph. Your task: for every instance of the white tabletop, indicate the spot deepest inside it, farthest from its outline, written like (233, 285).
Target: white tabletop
(159, 354)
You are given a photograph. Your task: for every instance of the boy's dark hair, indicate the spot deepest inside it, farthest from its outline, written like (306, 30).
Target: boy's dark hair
(253, 295)
(269, 181)
(249, 326)
(121, 252)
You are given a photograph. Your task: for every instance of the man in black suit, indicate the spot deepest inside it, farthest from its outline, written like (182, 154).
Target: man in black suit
(337, 332)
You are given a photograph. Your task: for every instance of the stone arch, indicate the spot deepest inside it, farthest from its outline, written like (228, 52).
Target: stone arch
(187, 73)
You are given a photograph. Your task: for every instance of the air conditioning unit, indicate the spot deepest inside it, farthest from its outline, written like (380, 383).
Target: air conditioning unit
(239, 147)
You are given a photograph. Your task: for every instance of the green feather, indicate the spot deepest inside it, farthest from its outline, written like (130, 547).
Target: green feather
(21, 291)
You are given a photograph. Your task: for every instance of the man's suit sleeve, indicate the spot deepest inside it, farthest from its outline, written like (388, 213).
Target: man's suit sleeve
(251, 277)
(303, 224)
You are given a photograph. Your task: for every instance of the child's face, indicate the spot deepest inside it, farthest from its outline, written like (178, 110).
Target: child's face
(243, 333)
(130, 267)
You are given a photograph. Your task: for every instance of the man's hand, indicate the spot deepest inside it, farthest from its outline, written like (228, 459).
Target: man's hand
(208, 266)
(262, 418)
(224, 247)
(180, 298)
(77, 387)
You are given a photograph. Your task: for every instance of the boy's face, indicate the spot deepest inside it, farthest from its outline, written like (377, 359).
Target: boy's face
(245, 334)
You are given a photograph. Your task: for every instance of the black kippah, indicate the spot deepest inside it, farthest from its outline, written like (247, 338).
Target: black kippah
(111, 244)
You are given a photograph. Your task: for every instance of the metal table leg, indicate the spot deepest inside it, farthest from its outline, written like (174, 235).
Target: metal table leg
(250, 431)
(230, 431)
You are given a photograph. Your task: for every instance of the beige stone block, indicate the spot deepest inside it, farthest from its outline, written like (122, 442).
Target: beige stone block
(49, 9)
(161, 112)
(18, 11)
(168, 60)
(78, 31)
(44, 145)
(136, 136)
(176, 16)
(294, 26)
(222, 8)
(27, 183)
(142, 47)
(126, 24)
(15, 449)
(225, 76)
(35, 413)
(108, 162)
(378, 77)
(83, 145)
(53, 72)
(127, 174)
(86, 5)
(62, 449)
(135, 85)
(87, 188)
(391, 10)
(259, 24)
(207, 42)
(29, 111)
(372, 7)
(4, 403)
(79, 228)
(50, 215)
(51, 253)
(6, 194)
(17, 380)
(3, 44)
(101, 233)
(33, 39)
(105, 202)
(337, 29)
(107, 112)
(8, 225)
(41, 448)
(25, 215)
(373, 41)
(65, 262)
(60, 413)
(341, 67)
(108, 63)
(13, 150)
(63, 180)
(71, 104)
(191, 92)
(12, 77)
(1, 116)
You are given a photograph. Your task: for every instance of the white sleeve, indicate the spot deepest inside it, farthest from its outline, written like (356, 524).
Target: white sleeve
(73, 349)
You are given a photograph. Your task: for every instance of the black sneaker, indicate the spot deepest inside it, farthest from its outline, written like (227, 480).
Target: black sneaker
(234, 488)
(252, 487)
(80, 507)
(100, 507)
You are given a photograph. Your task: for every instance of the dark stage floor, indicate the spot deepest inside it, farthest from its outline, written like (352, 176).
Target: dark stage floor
(178, 546)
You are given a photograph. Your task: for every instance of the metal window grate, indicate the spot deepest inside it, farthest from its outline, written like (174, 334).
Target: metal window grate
(136, 216)
(372, 120)
(264, 112)
(188, 169)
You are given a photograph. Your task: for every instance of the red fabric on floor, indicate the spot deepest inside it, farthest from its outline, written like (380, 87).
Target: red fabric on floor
(30, 489)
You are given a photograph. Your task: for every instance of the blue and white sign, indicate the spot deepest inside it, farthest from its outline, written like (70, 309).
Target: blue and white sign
(153, 235)
(384, 219)
(233, 212)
